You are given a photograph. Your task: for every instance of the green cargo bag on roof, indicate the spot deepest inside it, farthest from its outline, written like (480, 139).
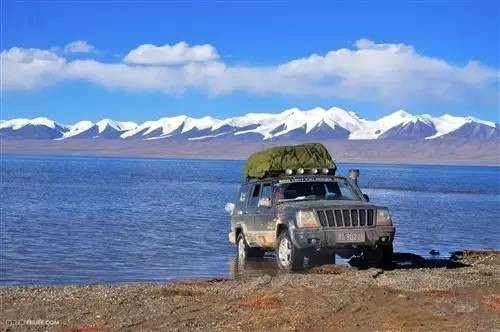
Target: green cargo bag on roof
(278, 159)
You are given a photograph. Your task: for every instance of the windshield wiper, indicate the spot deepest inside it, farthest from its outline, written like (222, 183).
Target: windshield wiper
(300, 198)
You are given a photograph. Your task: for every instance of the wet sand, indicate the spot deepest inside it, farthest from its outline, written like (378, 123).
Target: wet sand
(462, 293)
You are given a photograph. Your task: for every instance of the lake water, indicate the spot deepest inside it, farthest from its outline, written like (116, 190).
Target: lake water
(89, 220)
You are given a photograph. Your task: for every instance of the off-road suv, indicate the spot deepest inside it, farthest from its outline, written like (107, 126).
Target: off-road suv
(310, 213)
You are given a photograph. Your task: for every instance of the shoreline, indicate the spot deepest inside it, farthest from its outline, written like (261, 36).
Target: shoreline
(386, 152)
(462, 293)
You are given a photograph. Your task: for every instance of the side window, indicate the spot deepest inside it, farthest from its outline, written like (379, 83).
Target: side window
(267, 191)
(242, 197)
(254, 200)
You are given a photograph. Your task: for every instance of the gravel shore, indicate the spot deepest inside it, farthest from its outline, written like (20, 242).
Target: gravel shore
(462, 293)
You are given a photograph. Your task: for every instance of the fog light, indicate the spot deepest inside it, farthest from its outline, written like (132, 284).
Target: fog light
(300, 171)
(314, 170)
(325, 171)
(288, 171)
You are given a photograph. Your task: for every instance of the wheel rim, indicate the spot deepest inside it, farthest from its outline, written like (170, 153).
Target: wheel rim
(241, 248)
(285, 252)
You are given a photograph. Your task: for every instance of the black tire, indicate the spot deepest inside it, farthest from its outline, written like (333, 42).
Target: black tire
(290, 258)
(318, 259)
(372, 257)
(387, 253)
(381, 256)
(246, 251)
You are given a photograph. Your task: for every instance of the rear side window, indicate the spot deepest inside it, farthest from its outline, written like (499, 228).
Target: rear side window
(242, 197)
(254, 200)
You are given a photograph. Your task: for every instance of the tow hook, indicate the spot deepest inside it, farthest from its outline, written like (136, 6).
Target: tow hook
(316, 243)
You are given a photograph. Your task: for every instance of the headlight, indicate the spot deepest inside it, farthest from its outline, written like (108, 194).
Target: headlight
(306, 219)
(383, 217)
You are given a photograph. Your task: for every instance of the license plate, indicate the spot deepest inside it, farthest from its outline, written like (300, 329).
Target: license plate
(351, 237)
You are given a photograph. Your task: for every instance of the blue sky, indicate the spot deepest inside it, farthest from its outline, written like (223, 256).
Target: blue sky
(248, 66)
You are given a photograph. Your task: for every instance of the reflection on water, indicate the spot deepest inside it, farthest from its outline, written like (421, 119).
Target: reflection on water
(253, 267)
(256, 267)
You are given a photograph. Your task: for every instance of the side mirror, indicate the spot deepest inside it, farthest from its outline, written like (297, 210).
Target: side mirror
(229, 208)
(366, 197)
(265, 201)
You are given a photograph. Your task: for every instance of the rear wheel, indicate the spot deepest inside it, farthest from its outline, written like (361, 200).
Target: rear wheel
(244, 250)
(288, 257)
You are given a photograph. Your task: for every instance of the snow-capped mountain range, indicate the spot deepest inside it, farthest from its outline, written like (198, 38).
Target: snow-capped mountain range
(291, 124)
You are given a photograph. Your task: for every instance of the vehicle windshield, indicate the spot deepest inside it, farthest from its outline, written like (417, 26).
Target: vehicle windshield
(316, 190)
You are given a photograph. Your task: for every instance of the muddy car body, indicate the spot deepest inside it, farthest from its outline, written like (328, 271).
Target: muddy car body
(310, 215)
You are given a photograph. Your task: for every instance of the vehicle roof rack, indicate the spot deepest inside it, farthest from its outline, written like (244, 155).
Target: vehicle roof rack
(293, 173)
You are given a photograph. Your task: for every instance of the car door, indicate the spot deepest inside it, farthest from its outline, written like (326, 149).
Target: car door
(251, 210)
(240, 205)
(264, 215)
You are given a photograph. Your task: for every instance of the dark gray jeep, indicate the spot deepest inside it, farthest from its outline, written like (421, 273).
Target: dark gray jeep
(310, 213)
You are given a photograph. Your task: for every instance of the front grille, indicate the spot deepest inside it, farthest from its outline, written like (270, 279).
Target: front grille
(354, 218)
(346, 217)
(362, 217)
(330, 218)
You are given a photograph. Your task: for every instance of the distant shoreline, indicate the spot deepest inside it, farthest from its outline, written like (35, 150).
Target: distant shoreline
(387, 152)
(217, 158)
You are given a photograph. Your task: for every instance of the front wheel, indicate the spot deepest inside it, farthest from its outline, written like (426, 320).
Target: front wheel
(387, 253)
(318, 259)
(288, 257)
(381, 256)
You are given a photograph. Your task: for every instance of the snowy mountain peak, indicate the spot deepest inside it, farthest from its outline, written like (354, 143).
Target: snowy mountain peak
(295, 120)
(19, 123)
(291, 112)
(77, 129)
(205, 122)
(427, 120)
(396, 117)
(401, 113)
(43, 121)
(291, 124)
(168, 126)
(105, 123)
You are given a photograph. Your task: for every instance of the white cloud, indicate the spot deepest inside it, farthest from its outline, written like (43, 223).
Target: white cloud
(131, 78)
(391, 72)
(25, 69)
(168, 55)
(386, 73)
(79, 46)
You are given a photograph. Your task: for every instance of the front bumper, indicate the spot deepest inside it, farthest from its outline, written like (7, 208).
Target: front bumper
(328, 238)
